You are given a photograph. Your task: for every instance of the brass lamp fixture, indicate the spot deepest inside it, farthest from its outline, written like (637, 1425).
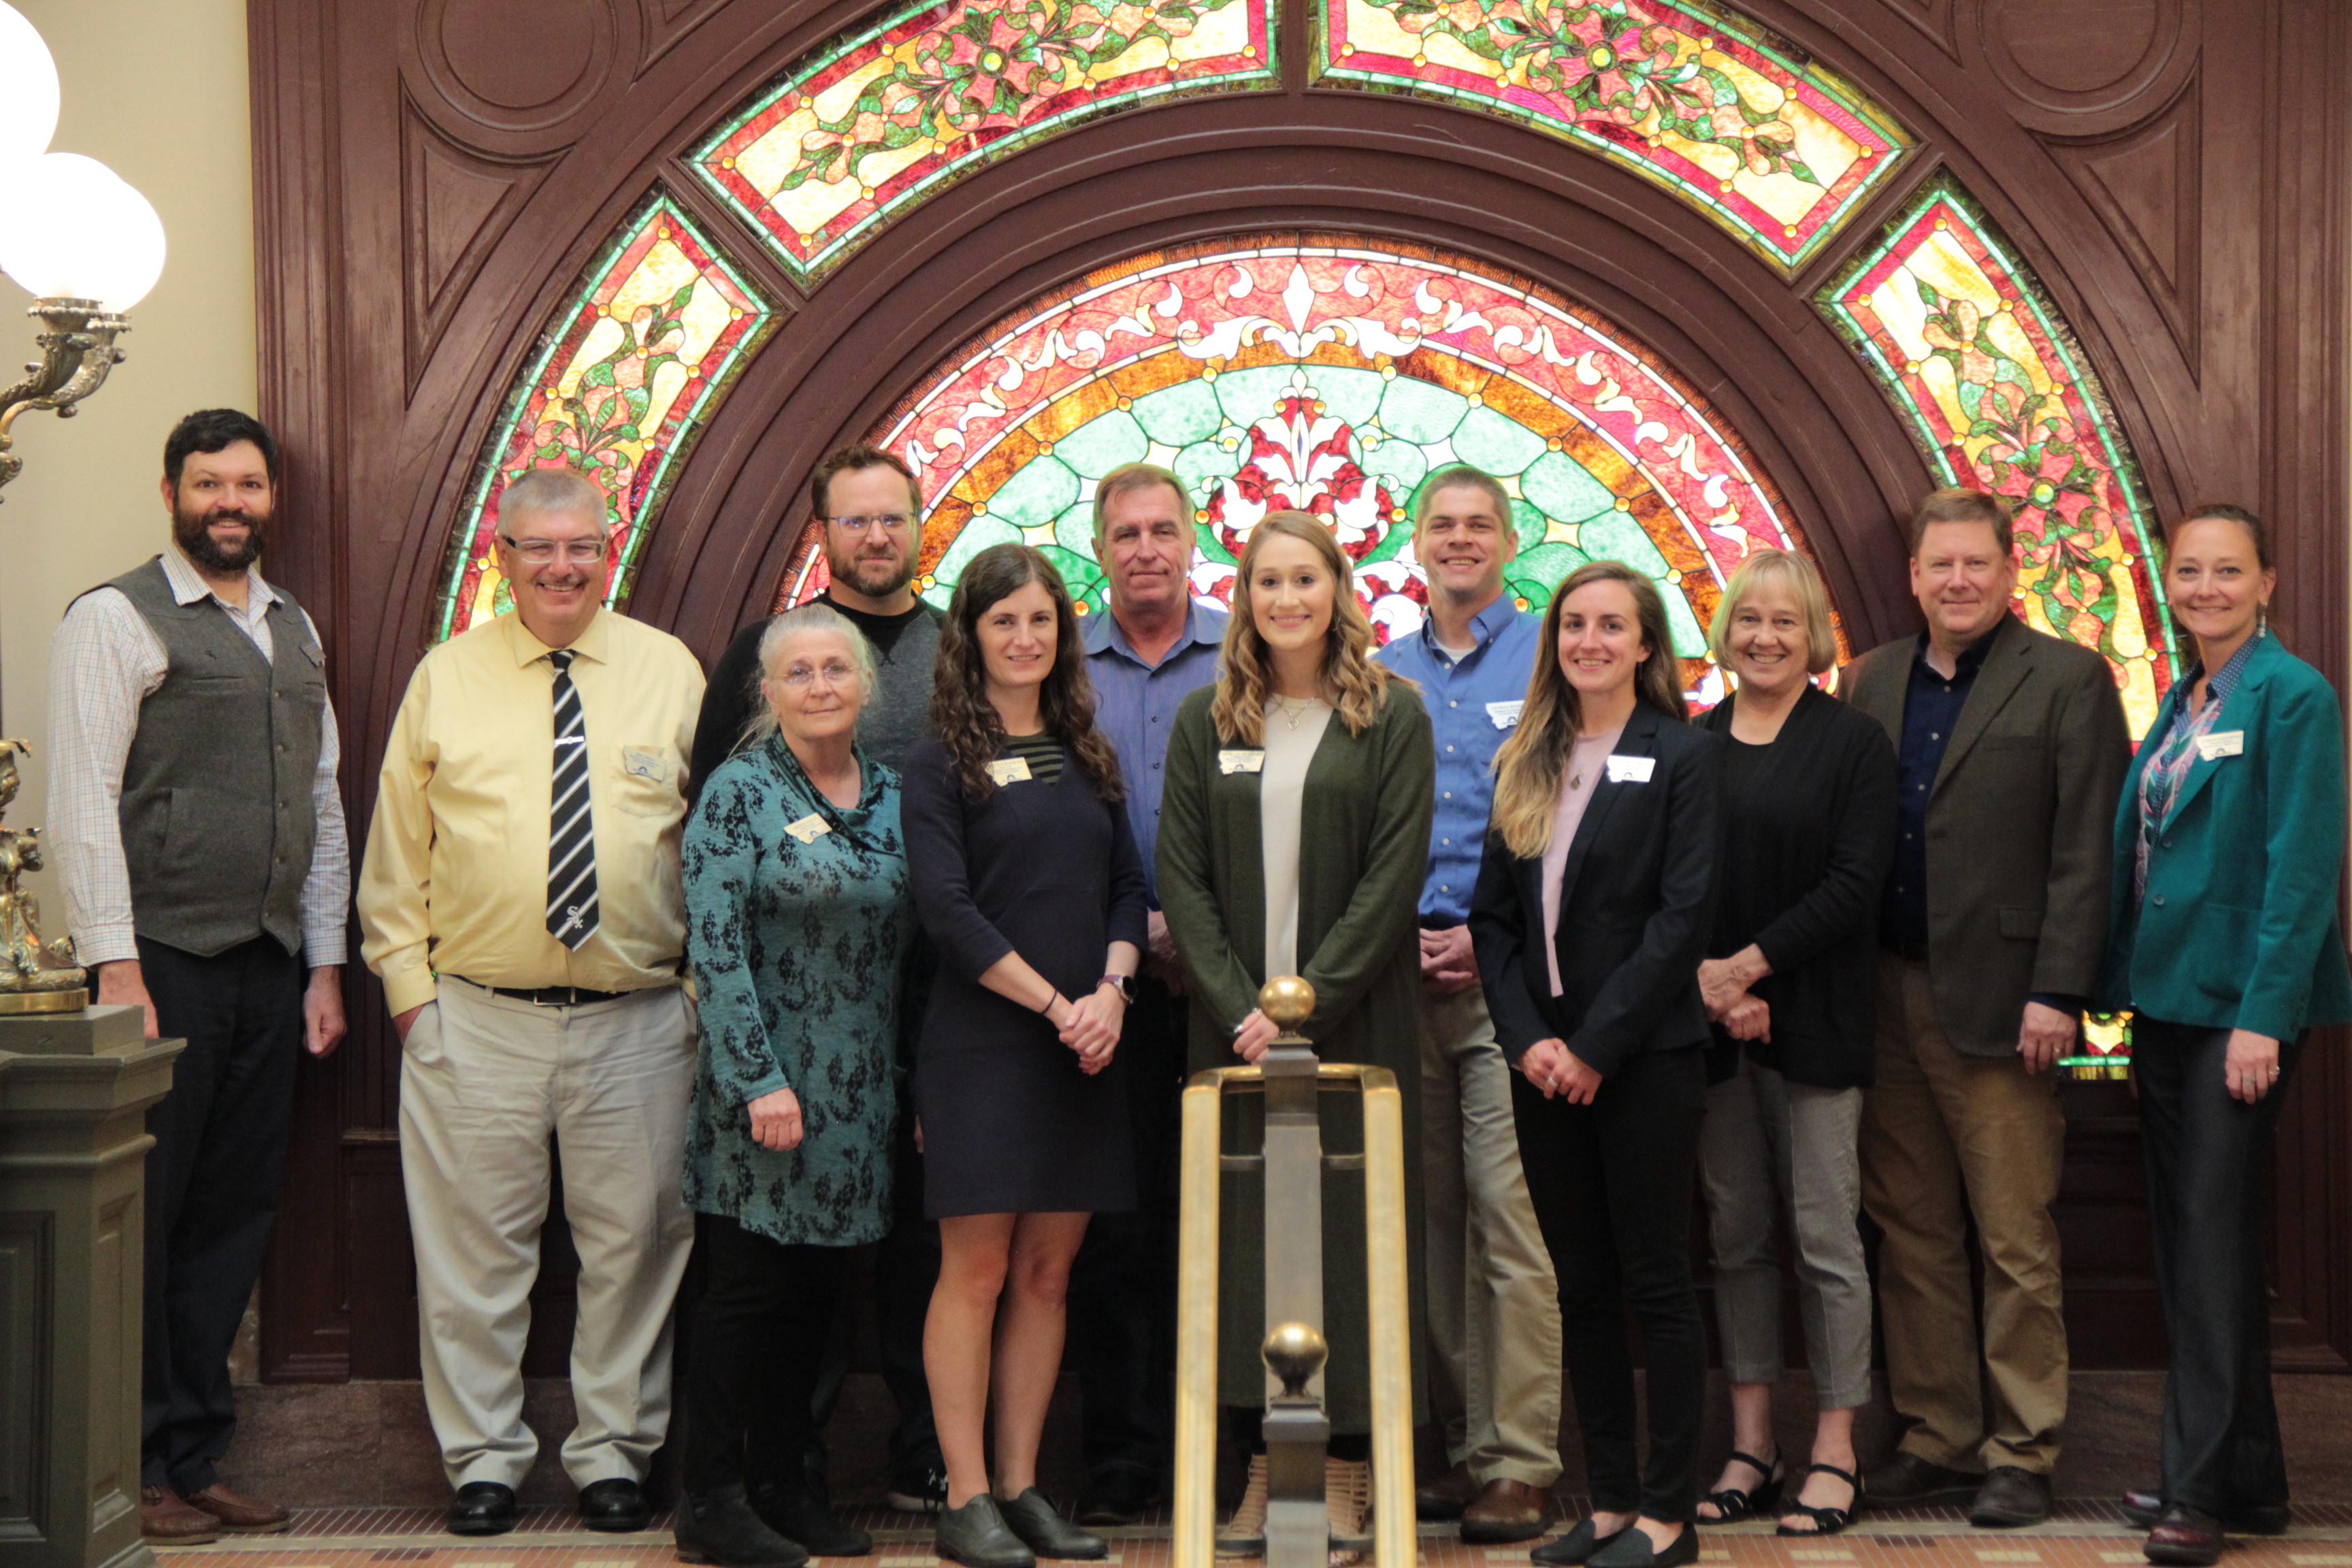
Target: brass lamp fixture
(87, 247)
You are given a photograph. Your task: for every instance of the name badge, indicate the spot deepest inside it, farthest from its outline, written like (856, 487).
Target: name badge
(809, 829)
(2226, 743)
(643, 765)
(1506, 715)
(1009, 769)
(1240, 762)
(1632, 769)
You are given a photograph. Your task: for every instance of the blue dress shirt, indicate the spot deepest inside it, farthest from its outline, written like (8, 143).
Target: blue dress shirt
(1474, 704)
(1135, 703)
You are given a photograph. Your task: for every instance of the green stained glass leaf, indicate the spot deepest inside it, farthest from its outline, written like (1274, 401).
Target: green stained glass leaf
(1075, 528)
(1181, 415)
(1690, 639)
(1351, 396)
(1416, 411)
(977, 534)
(1536, 572)
(1103, 443)
(1247, 395)
(1617, 537)
(1400, 462)
(1486, 439)
(1530, 523)
(1037, 495)
(1561, 487)
(1079, 575)
(1205, 464)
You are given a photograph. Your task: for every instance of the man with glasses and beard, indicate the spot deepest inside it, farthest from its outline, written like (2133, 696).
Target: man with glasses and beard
(871, 511)
(200, 839)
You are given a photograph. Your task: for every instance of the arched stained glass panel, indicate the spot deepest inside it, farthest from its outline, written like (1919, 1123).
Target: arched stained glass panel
(1333, 376)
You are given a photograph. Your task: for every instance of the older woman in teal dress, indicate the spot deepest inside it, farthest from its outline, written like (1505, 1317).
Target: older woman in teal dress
(798, 922)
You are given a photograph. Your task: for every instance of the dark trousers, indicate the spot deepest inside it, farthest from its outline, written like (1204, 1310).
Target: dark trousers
(2208, 1158)
(212, 1186)
(1122, 1333)
(760, 1340)
(1611, 1182)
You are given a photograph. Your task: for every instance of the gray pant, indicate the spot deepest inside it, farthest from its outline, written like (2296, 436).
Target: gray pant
(1765, 1136)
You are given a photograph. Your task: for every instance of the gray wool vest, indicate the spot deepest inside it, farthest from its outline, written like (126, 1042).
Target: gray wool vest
(217, 818)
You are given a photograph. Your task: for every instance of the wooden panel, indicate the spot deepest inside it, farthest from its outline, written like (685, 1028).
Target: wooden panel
(2196, 242)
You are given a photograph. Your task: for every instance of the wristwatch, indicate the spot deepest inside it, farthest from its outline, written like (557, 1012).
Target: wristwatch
(1126, 983)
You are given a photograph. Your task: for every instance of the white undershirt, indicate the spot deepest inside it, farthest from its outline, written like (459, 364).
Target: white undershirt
(1282, 797)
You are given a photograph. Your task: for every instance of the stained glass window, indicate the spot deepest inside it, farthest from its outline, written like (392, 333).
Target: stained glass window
(888, 114)
(1701, 100)
(1329, 374)
(1959, 334)
(624, 381)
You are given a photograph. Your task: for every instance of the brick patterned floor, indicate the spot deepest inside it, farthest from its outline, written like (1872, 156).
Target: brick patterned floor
(2082, 1534)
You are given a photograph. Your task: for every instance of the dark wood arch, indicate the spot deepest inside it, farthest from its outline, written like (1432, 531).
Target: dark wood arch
(416, 236)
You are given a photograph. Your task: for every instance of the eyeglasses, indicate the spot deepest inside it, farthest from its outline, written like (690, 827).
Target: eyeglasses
(540, 552)
(836, 672)
(888, 521)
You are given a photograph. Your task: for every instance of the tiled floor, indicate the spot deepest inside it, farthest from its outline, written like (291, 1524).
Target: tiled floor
(2084, 1534)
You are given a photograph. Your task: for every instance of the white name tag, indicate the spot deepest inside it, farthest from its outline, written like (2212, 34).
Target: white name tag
(2227, 743)
(809, 829)
(1506, 715)
(1009, 769)
(1632, 769)
(1240, 762)
(641, 764)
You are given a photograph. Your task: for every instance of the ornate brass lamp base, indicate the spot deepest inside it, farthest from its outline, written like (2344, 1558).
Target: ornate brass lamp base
(36, 976)
(72, 1001)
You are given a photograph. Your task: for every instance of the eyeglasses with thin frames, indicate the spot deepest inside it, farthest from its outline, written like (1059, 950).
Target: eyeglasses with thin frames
(540, 552)
(888, 521)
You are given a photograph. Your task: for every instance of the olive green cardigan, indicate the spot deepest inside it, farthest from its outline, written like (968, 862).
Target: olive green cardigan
(1363, 856)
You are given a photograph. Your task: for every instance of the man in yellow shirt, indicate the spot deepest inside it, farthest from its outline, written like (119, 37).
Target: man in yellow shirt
(522, 903)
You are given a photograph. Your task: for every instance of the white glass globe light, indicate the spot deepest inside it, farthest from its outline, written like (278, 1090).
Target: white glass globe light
(29, 88)
(77, 230)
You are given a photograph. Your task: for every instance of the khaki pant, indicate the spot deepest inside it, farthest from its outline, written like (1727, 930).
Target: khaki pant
(1494, 1312)
(1940, 1131)
(484, 1081)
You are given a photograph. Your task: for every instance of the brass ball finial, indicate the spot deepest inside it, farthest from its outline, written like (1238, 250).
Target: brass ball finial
(1288, 999)
(1294, 1353)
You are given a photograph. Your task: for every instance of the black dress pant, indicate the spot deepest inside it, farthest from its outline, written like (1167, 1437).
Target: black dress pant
(759, 1339)
(2208, 1158)
(212, 1186)
(1123, 1283)
(1613, 1183)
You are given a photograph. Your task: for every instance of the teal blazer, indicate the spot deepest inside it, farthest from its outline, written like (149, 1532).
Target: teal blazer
(2237, 927)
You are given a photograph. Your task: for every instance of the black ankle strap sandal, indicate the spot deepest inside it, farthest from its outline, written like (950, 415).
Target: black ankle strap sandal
(1732, 1505)
(1826, 1520)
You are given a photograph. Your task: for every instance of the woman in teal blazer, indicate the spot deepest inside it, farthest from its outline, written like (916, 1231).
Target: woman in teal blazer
(2224, 942)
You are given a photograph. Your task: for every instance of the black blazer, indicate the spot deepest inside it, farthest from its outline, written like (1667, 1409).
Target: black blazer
(1809, 841)
(1636, 907)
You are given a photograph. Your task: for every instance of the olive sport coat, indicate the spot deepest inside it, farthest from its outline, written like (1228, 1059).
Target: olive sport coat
(2020, 823)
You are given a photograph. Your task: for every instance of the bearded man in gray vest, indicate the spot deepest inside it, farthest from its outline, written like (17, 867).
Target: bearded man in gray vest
(199, 835)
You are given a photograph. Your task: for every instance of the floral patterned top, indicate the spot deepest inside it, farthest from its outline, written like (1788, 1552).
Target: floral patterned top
(798, 921)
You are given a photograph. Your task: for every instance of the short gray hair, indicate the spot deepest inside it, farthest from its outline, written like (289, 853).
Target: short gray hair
(782, 629)
(550, 491)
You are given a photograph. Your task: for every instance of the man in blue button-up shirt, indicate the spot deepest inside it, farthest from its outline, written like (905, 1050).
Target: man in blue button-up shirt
(1494, 1314)
(1150, 649)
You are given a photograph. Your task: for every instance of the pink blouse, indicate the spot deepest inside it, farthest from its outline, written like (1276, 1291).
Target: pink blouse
(1581, 772)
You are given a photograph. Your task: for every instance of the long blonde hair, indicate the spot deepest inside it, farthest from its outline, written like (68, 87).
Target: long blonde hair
(1353, 682)
(1528, 767)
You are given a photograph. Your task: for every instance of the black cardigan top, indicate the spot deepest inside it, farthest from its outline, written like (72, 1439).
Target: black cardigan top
(1809, 835)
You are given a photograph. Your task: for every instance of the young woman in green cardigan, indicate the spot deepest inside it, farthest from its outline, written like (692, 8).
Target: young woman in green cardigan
(1293, 839)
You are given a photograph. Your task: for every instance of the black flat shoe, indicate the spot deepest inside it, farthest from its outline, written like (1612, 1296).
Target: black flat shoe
(1577, 1546)
(2141, 1506)
(482, 1508)
(617, 1505)
(720, 1527)
(1035, 1520)
(977, 1536)
(1633, 1550)
(1826, 1520)
(1732, 1505)
(796, 1511)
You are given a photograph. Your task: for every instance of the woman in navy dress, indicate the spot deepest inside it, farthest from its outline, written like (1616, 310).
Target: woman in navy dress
(1027, 878)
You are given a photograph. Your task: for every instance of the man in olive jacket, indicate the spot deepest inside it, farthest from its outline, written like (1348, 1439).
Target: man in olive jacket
(2012, 748)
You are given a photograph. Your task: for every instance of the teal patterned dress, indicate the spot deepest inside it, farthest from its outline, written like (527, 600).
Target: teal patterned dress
(797, 949)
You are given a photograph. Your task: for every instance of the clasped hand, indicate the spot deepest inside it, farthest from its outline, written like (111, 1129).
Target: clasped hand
(1091, 1025)
(776, 1121)
(1555, 1069)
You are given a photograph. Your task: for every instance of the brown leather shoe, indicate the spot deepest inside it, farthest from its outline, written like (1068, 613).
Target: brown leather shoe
(164, 1520)
(1505, 1512)
(1447, 1496)
(2185, 1537)
(238, 1514)
(2010, 1498)
(1907, 1480)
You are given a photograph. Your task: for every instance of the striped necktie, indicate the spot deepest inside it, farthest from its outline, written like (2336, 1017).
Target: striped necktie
(571, 828)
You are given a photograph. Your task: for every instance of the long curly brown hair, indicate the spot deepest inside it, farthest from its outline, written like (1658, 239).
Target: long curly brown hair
(962, 714)
(1354, 682)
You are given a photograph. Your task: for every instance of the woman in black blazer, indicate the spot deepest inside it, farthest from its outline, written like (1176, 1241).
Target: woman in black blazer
(1594, 904)
(1790, 982)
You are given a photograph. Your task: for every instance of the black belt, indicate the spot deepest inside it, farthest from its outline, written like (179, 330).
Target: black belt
(552, 996)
